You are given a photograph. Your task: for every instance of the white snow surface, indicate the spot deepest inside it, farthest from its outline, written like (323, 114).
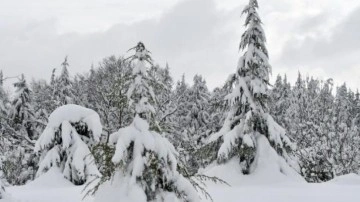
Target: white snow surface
(113, 191)
(52, 178)
(270, 169)
(2, 190)
(266, 184)
(52, 187)
(349, 179)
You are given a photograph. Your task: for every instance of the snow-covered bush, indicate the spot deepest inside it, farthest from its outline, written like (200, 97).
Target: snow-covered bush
(65, 143)
(18, 166)
(315, 165)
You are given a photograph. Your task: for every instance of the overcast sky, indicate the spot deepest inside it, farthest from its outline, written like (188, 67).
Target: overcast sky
(316, 37)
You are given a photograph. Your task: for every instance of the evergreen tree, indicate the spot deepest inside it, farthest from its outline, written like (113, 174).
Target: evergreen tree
(145, 158)
(177, 120)
(275, 98)
(196, 122)
(181, 101)
(217, 109)
(345, 137)
(42, 102)
(21, 113)
(19, 132)
(280, 101)
(3, 94)
(3, 109)
(297, 112)
(314, 153)
(198, 116)
(63, 93)
(162, 82)
(357, 110)
(248, 121)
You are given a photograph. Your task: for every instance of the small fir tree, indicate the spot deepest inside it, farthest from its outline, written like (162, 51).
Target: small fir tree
(63, 91)
(21, 113)
(145, 158)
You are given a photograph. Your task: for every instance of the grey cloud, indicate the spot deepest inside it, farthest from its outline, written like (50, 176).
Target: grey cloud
(190, 36)
(344, 39)
(193, 37)
(314, 23)
(335, 56)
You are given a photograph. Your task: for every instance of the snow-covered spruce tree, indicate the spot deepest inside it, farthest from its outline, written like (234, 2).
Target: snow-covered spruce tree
(180, 98)
(165, 106)
(249, 125)
(21, 112)
(315, 157)
(217, 109)
(356, 121)
(198, 117)
(147, 162)
(197, 122)
(297, 113)
(3, 94)
(17, 134)
(344, 139)
(4, 99)
(42, 99)
(65, 143)
(63, 93)
(280, 99)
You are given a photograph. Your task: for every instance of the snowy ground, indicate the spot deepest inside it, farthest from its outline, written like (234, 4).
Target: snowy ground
(53, 188)
(272, 181)
(288, 193)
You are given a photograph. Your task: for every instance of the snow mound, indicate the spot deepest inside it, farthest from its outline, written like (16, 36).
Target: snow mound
(66, 142)
(349, 179)
(2, 191)
(270, 169)
(52, 178)
(72, 113)
(120, 190)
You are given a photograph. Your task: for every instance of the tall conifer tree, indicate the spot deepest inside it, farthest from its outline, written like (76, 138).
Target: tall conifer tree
(248, 124)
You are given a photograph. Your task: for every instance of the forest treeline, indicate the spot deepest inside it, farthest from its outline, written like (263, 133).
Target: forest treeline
(323, 120)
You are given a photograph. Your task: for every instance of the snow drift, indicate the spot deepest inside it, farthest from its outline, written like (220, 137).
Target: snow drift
(270, 168)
